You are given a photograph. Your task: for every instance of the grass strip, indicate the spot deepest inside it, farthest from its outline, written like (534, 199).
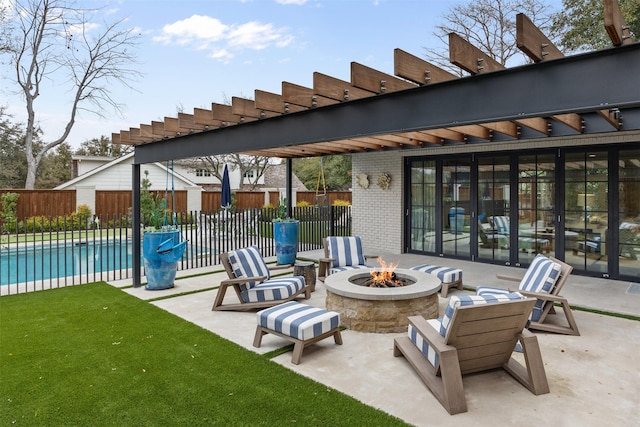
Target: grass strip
(94, 355)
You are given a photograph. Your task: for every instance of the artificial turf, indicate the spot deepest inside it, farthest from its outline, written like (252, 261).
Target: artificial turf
(94, 355)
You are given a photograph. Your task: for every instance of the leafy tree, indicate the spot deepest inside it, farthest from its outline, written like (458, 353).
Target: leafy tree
(490, 25)
(337, 171)
(580, 25)
(13, 165)
(55, 167)
(102, 147)
(52, 42)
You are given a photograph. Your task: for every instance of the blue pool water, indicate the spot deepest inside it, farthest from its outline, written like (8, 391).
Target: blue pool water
(53, 261)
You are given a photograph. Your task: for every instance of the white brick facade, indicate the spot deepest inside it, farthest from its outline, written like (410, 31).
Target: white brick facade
(378, 214)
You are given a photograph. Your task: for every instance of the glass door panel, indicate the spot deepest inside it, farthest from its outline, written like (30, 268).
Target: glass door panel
(423, 206)
(456, 207)
(586, 216)
(536, 213)
(629, 214)
(493, 208)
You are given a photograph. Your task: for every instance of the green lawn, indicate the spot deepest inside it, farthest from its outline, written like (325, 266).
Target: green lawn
(94, 355)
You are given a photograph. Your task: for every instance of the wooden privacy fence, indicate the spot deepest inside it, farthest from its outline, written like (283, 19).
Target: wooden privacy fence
(44, 202)
(109, 202)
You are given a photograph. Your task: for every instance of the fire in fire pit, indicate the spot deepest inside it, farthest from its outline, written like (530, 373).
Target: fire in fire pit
(385, 277)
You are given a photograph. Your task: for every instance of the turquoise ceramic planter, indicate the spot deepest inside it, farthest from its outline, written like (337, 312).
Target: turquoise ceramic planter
(285, 235)
(160, 273)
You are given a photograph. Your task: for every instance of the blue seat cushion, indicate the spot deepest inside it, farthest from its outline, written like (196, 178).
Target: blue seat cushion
(248, 262)
(279, 288)
(346, 251)
(297, 320)
(445, 274)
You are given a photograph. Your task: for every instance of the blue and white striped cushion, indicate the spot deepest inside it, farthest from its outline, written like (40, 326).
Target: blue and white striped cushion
(423, 345)
(464, 300)
(298, 320)
(501, 224)
(541, 276)
(273, 290)
(445, 274)
(345, 250)
(248, 262)
(347, 267)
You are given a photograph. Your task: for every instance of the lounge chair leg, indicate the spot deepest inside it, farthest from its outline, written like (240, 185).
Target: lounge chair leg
(257, 339)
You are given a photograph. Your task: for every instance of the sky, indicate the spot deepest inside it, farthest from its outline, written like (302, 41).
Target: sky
(195, 52)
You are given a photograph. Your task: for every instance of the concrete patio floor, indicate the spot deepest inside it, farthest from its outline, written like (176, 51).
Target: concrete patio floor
(594, 378)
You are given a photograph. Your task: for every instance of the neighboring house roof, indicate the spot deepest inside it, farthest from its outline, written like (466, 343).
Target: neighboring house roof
(276, 177)
(109, 176)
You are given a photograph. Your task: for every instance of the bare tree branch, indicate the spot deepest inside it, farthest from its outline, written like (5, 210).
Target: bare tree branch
(58, 44)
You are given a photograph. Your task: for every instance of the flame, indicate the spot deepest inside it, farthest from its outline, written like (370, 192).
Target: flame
(385, 275)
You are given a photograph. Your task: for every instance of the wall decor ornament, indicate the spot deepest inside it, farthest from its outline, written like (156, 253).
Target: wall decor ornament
(363, 180)
(384, 181)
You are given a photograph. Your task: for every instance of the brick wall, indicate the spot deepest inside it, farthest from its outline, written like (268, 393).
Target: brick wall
(378, 214)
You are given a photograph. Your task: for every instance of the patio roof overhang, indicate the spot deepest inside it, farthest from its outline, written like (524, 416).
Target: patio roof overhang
(421, 106)
(596, 92)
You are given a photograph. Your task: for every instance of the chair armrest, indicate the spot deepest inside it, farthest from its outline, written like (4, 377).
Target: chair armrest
(513, 279)
(241, 280)
(371, 256)
(327, 260)
(432, 336)
(544, 296)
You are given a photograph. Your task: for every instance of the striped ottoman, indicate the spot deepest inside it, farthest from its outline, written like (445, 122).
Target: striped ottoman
(299, 323)
(449, 276)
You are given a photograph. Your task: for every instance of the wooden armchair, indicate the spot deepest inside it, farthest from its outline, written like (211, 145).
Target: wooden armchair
(543, 280)
(342, 253)
(476, 334)
(251, 279)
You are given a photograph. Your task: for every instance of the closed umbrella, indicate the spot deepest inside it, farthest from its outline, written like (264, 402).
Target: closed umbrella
(225, 200)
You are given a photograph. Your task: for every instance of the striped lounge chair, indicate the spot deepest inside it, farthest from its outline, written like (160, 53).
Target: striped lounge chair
(342, 253)
(476, 334)
(250, 277)
(543, 280)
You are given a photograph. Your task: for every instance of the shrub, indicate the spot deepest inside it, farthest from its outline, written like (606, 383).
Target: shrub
(339, 202)
(302, 204)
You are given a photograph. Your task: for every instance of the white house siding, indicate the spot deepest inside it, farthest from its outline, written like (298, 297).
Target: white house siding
(378, 214)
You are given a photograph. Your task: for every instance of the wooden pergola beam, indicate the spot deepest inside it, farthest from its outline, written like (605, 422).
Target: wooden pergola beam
(337, 89)
(205, 117)
(470, 58)
(507, 128)
(422, 137)
(533, 42)
(376, 81)
(304, 96)
(247, 108)
(615, 23)
(188, 121)
(273, 102)
(418, 70)
(538, 47)
(536, 123)
(225, 114)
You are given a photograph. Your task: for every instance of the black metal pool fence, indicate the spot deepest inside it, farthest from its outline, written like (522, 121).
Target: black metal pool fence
(41, 253)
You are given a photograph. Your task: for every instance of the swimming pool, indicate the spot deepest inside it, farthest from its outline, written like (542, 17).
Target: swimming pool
(34, 263)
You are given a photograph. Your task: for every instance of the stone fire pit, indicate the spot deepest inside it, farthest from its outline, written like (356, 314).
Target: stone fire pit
(381, 310)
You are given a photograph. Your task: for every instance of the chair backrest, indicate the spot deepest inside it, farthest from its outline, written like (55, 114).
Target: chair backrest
(246, 262)
(345, 250)
(501, 224)
(484, 330)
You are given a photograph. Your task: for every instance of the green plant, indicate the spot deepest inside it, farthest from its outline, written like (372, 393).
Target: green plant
(281, 212)
(153, 209)
(8, 215)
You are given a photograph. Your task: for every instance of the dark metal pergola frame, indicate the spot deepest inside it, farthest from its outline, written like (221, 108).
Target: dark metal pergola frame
(584, 84)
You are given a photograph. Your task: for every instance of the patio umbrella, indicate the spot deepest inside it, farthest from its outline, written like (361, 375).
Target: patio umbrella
(225, 200)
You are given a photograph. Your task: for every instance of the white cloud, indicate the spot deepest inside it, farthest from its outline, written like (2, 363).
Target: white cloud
(223, 41)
